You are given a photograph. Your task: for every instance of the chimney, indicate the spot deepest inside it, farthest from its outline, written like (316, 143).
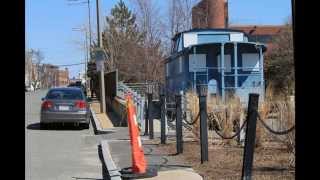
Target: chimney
(226, 14)
(210, 14)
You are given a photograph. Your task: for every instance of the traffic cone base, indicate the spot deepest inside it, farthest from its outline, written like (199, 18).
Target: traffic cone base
(127, 173)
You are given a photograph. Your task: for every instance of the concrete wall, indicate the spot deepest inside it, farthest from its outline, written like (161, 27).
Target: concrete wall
(119, 108)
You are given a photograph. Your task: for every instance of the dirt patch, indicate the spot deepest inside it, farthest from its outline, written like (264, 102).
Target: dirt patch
(225, 161)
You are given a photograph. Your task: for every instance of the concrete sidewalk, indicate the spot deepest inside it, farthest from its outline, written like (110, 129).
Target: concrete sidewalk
(118, 147)
(103, 118)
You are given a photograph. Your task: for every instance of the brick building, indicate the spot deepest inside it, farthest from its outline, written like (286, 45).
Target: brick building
(214, 14)
(63, 77)
(52, 76)
(210, 14)
(262, 33)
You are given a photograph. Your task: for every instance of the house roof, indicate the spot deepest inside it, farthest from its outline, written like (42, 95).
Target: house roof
(259, 30)
(207, 29)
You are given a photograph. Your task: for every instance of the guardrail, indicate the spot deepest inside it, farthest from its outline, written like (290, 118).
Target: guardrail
(138, 100)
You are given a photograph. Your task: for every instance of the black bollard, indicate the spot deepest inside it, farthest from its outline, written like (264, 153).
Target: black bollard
(163, 118)
(203, 123)
(250, 136)
(150, 117)
(179, 124)
(146, 124)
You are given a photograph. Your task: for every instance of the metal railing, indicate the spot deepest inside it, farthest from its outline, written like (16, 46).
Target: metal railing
(138, 100)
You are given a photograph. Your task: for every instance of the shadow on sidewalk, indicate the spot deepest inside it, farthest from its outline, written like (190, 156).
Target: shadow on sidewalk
(55, 127)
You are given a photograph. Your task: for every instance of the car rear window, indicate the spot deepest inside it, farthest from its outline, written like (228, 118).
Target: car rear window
(65, 94)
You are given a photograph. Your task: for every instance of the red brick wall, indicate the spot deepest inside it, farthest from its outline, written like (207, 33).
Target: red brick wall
(210, 14)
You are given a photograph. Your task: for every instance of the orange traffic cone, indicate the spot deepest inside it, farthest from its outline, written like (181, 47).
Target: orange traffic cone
(139, 164)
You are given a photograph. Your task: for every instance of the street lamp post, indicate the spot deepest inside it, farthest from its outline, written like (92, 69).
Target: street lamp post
(100, 58)
(100, 45)
(87, 52)
(75, 2)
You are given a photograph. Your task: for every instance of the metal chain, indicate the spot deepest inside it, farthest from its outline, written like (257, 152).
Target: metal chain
(172, 118)
(273, 131)
(192, 122)
(233, 136)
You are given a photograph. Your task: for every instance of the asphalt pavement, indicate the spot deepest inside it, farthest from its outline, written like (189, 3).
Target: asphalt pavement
(58, 153)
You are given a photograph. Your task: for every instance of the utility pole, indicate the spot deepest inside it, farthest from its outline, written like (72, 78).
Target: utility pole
(86, 61)
(86, 46)
(90, 38)
(100, 44)
(74, 2)
(98, 24)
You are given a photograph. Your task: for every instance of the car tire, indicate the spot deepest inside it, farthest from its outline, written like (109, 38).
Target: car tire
(85, 125)
(43, 126)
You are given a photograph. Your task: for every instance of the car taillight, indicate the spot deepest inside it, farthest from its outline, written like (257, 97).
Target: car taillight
(47, 105)
(80, 104)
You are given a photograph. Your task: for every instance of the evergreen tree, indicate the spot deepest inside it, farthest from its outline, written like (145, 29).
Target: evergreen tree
(122, 42)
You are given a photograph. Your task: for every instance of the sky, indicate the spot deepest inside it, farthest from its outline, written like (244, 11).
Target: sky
(49, 24)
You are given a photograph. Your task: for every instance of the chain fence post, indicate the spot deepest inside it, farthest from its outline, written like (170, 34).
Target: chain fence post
(203, 123)
(250, 136)
(163, 116)
(150, 117)
(179, 124)
(146, 124)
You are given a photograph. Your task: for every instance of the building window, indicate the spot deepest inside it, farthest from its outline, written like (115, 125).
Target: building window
(197, 62)
(190, 39)
(210, 38)
(227, 63)
(180, 64)
(180, 44)
(250, 61)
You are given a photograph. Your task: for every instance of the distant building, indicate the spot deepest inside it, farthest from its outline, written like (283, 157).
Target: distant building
(263, 33)
(49, 75)
(63, 77)
(52, 76)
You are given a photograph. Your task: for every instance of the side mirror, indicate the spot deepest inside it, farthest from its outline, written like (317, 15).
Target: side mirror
(42, 99)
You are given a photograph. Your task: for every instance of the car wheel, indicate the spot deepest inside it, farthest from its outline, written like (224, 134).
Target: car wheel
(43, 126)
(85, 125)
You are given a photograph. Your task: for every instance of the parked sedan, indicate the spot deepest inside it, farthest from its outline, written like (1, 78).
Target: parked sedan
(65, 105)
(79, 85)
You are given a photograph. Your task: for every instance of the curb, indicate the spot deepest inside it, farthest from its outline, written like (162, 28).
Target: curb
(112, 169)
(97, 126)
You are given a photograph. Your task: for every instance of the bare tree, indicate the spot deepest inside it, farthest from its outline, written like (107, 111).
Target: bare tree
(179, 17)
(279, 63)
(150, 23)
(35, 59)
(28, 68)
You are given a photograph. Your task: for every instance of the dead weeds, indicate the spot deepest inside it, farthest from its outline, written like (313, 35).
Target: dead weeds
(225, 162)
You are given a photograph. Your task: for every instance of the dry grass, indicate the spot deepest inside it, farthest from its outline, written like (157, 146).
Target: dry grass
(226, 162)
(228, 114)
(224, 116)
(283, 110)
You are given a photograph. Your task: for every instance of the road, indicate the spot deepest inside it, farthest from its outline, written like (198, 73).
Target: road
(59, 153)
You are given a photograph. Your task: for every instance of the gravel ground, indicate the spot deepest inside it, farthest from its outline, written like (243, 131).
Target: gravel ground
(225, 161)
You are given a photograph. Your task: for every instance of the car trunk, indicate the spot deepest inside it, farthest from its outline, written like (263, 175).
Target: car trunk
(64, 105)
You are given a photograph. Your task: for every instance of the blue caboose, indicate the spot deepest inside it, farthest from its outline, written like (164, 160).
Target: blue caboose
(197, 59)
